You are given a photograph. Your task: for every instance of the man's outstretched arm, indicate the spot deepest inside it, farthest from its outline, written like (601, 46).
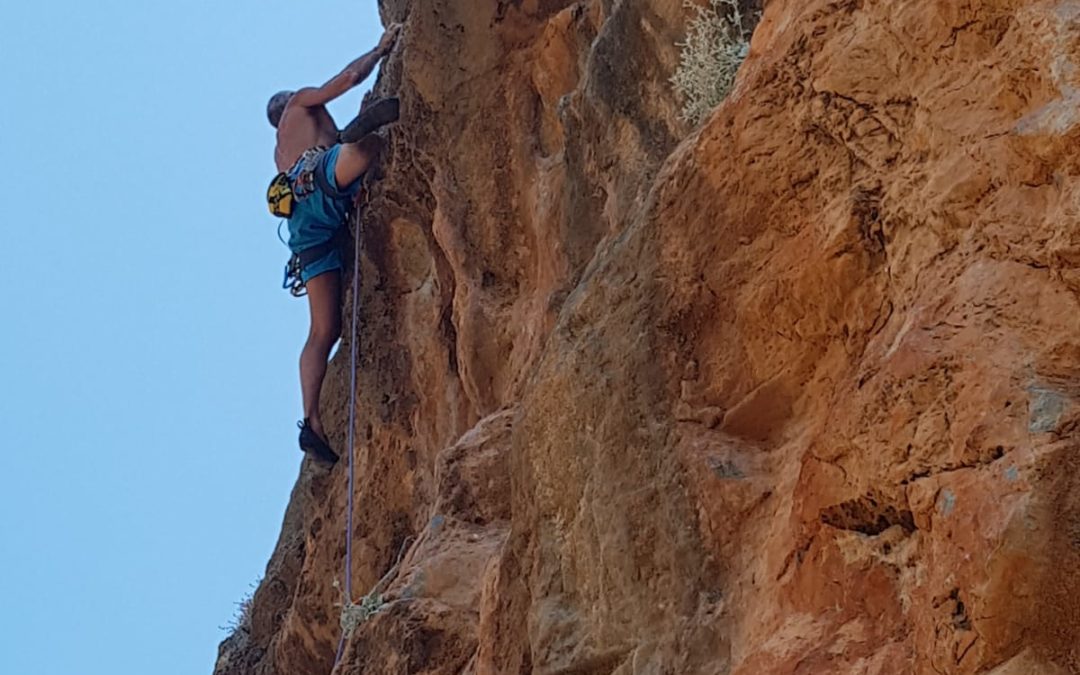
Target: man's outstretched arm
(354, 73)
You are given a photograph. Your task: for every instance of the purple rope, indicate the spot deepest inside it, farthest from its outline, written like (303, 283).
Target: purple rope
(340, 651)
(352, 431)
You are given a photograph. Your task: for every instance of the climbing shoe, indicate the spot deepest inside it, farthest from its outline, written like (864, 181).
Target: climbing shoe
(315, 446)
(372, 117)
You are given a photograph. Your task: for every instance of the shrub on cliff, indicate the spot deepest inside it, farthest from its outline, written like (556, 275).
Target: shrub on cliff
(240, 623)
(717, 42)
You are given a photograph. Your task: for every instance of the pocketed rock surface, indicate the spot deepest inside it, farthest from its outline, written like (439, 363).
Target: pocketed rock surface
(795, 391)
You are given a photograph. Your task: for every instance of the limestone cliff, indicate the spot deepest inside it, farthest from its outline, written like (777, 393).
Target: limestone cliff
(793, 392)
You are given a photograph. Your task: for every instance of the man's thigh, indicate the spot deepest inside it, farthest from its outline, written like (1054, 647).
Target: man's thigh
(324, 301)
(354, 159)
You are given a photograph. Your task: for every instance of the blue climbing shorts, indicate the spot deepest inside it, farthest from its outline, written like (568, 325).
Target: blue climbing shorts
(320, 209)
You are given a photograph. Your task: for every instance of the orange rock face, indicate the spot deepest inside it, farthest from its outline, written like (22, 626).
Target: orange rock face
(794, 392)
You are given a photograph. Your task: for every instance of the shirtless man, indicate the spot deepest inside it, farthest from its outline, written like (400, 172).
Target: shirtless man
(323, 169)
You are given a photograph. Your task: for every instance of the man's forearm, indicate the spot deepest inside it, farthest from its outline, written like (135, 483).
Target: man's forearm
(362, 67)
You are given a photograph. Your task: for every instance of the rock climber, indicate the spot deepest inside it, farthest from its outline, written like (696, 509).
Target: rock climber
(320, 171)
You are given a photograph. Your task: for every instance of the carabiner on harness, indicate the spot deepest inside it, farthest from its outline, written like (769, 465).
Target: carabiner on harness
(294, 281)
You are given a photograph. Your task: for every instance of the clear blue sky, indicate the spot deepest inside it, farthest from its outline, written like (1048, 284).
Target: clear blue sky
(148, 355)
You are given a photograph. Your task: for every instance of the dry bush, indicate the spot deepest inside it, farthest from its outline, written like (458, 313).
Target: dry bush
(717, 42)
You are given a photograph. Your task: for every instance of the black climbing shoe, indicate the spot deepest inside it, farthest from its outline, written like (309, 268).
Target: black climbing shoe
(315, 446)
(374, 116)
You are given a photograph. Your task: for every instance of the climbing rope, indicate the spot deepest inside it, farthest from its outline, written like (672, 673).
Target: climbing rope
(352, 430)
(354, 614)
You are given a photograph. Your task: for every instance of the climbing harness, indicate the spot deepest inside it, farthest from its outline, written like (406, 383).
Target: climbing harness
(294, 280)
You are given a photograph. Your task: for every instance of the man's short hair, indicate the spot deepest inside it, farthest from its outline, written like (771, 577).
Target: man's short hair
(276, 107)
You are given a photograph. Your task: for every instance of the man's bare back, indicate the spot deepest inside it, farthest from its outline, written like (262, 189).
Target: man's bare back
(301, 128)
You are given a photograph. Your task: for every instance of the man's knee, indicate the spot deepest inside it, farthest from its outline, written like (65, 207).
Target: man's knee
(369, 146)
(325, 333)
(357, 158)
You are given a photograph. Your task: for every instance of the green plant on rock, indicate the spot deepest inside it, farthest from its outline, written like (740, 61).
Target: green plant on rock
(717, 42)
(355, 613)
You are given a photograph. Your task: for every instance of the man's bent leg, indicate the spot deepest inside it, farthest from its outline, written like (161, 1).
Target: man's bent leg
(354, 159)
(324, 300)
(371, 118)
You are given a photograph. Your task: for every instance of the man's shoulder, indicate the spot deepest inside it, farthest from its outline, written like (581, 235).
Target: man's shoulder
(307, 98)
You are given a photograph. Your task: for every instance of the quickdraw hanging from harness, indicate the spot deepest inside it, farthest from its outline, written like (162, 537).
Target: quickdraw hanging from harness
(294, 280)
